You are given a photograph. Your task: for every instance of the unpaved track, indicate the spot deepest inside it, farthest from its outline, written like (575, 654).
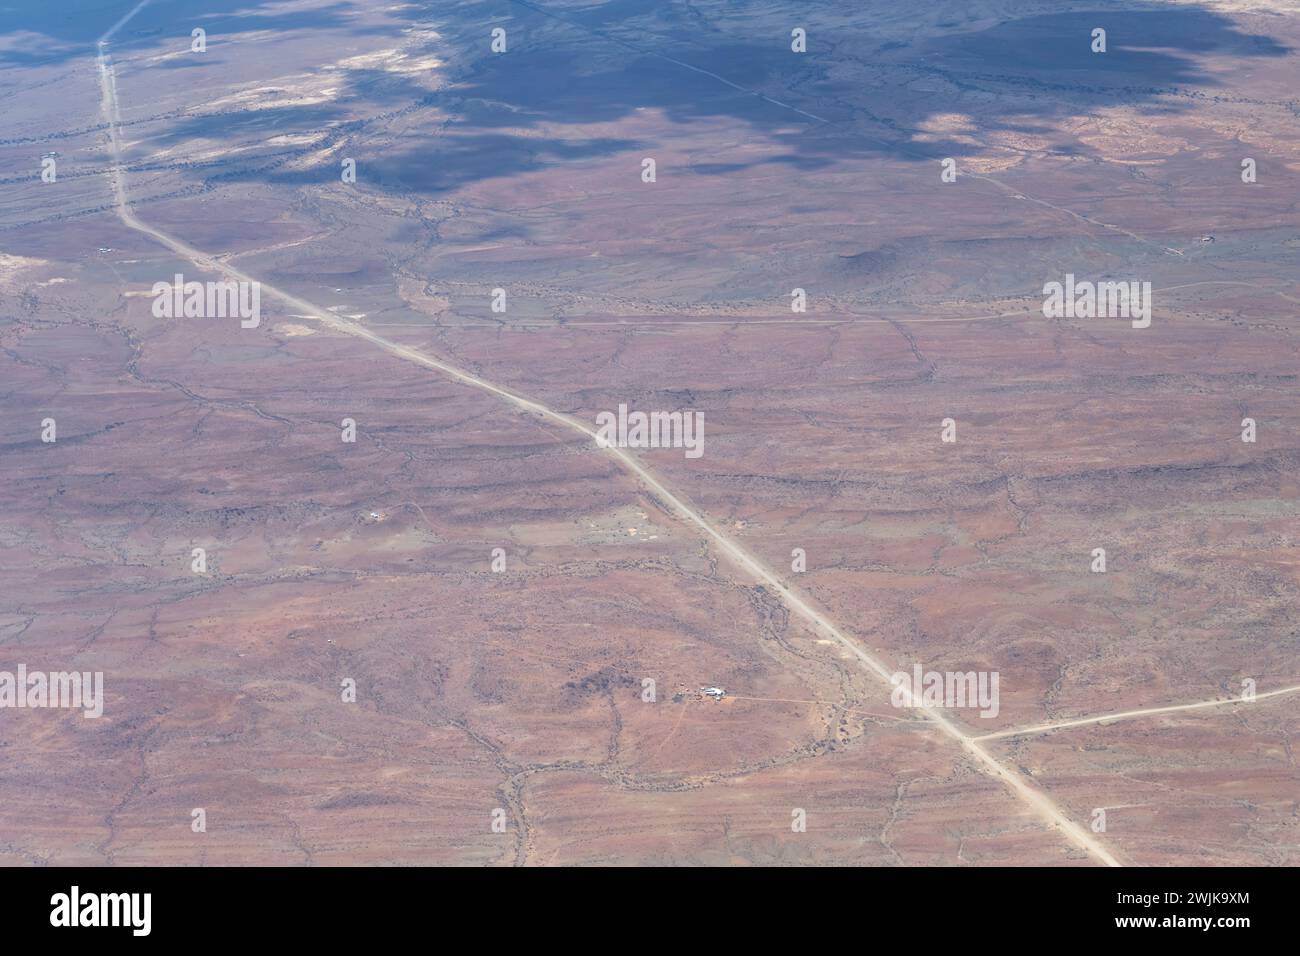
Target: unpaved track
(1129, 714)
(1039, 802)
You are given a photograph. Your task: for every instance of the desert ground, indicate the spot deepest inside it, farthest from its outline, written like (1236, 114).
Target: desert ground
(497, 587)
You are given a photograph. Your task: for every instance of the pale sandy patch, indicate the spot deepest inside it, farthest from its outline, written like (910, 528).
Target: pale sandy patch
(10, 266)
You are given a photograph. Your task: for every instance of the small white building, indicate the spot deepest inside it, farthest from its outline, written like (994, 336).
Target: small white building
(717, 693)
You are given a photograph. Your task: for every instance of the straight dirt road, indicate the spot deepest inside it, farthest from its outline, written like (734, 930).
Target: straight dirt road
(1128, 714)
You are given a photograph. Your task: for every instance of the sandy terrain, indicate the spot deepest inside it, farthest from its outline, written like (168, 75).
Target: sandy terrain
(522, 690)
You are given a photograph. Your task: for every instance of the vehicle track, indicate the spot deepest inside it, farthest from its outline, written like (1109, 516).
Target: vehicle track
(1129, 714)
